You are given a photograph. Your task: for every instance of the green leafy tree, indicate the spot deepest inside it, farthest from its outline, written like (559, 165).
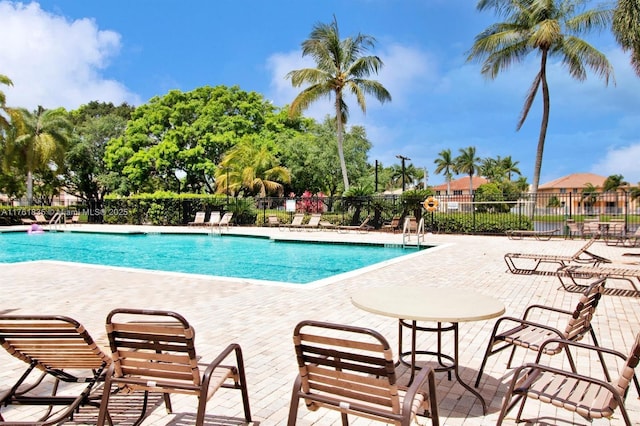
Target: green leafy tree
(312, 158)
(549, 28)
(95, 124)
(613, 182)
(626, 28)
(445, 165)
(175, 141)
(4, 122)
(491, 168)
(341, 67)
(467, 163)
(252, 168)
(41, 139)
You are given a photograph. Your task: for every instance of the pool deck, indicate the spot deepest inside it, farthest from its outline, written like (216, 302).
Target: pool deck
(261, 318)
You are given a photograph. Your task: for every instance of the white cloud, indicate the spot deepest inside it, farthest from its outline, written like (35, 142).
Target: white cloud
(620, 161)
(56, 62)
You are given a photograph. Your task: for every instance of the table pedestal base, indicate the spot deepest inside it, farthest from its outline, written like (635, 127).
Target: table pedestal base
(446, 362)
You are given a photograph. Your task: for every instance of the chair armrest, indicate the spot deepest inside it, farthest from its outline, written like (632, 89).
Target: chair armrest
(233, 347)
(579, 345)
(524, 322)
(425, 376)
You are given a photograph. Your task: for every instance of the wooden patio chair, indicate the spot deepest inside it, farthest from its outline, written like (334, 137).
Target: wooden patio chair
(530, 263)
(60, 349)
(351, 370)
(531, 335)
(392, 226)
(589, 397)
(154, 351)
(198, 219)
(573, 229)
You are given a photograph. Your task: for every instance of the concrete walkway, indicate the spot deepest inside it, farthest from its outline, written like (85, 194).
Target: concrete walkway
(261, 318)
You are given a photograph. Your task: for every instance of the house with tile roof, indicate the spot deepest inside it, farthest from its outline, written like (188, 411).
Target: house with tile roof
(460, 186)
(568, 190)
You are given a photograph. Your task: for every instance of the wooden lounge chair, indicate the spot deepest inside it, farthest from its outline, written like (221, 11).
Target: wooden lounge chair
(364, 227)
(296, 222)
(532, 262)
(571, 277)
(351, 370)
(518, 234)
(590, 397)
(314, 222)
(198, 220)
(154, 351)
(59, 348)
(392, 226)
(530, 335)
(40, 219)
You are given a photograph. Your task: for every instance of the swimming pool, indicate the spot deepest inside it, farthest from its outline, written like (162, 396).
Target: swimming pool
(226, 256)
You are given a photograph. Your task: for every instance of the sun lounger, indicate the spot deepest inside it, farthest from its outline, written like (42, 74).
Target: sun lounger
(198, 220)
(518, 234)
(392, 226)
(529, 263)
(214, 219)
(59, 348)
(40, 219)
(225, 220)
(296, 222)
(364, 227)
(314, 222)
(570, 277)
(273, 221)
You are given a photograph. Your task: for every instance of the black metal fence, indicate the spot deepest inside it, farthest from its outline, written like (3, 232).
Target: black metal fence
(444, 214)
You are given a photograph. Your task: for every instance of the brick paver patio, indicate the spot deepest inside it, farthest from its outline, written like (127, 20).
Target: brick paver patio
(262, 317)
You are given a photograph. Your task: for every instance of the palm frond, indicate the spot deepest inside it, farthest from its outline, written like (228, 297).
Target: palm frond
(531, 96)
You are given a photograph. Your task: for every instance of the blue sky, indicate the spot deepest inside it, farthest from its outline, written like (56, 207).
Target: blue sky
(69, 52)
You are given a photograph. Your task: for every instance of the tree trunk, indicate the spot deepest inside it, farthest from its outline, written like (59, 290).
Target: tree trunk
(544, 124)
(29, 188)
(340, 137)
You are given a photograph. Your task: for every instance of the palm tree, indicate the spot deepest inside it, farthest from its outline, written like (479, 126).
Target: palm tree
(252, 168)
(589, 196)
(467, 162)
(445, 165)
(612, 184)
(340, 67)
(40, 138)
(510, 166)
(626, 28)
(550, 28)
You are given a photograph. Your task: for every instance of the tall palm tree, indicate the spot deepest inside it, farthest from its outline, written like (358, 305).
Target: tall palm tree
(626, 28)
(510, 166)
(251, 168)
(549, 28)
(467, 162)
(445, 165)
(340, 67)
(41, 138)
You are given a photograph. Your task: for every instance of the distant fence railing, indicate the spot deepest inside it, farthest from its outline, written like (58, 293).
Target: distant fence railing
(467, 214)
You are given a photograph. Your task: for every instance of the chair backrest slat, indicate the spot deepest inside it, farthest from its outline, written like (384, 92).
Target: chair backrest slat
(161, 346)
(52, 342)
(580, 322)
(341, 362)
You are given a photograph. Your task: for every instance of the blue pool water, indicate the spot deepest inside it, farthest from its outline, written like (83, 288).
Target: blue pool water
(227, 256)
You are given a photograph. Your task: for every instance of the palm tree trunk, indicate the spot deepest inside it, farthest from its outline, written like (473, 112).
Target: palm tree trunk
(340, 137)
(470, 183)
(544, 124)
(29, 188)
